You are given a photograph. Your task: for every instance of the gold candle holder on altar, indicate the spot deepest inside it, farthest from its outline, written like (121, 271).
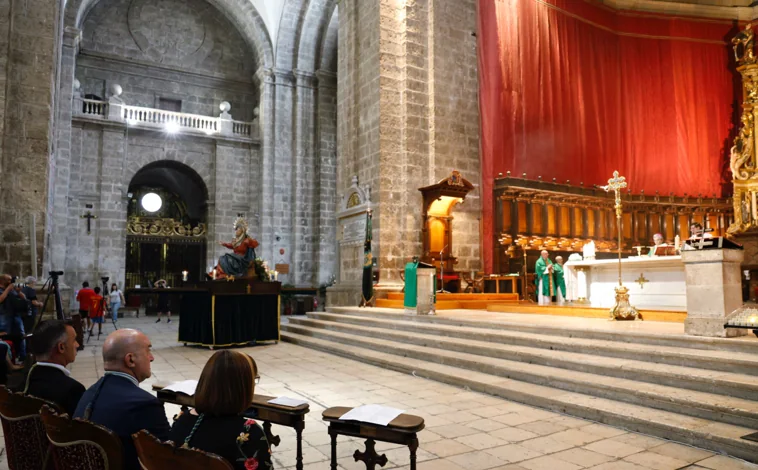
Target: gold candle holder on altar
(622, 310)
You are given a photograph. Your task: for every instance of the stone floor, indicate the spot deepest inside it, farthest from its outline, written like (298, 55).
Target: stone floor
(464, 430)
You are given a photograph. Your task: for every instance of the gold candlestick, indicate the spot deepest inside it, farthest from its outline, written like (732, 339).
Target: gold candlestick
(622, 310)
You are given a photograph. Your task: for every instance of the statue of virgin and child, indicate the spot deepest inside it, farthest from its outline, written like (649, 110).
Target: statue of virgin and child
(236, 263)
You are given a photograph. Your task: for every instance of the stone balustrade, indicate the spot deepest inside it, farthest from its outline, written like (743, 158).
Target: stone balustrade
(93, 108)
(170, 121)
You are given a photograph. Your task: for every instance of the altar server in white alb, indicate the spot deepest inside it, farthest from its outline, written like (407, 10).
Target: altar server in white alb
(543, 271)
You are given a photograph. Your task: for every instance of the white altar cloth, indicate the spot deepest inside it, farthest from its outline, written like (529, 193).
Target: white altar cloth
(596, 280)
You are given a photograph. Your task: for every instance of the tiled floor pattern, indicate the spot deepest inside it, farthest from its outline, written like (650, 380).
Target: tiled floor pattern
(465, 430)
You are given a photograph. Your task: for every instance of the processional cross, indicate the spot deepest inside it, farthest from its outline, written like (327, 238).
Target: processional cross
(622, 310)
(89, 216)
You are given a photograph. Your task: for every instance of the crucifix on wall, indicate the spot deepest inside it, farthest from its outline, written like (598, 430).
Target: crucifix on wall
(89, 216)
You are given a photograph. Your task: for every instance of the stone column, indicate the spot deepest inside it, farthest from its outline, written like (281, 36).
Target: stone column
(30, 34)
(110, 226)
(408, 116)
(264, 78)
(283, 191)
(714, 290)
(58, 185)
(326, 148)
(304, 180)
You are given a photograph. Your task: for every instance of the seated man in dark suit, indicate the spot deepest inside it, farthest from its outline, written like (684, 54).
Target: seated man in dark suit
(54, 345)
(116, 401)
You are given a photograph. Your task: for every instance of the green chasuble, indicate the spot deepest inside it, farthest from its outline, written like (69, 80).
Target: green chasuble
(539, 271)
(558, 280)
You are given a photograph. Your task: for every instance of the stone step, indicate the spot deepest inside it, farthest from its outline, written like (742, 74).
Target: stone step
(704, 405)
(722, 361)
(633, 337)
(718, 437)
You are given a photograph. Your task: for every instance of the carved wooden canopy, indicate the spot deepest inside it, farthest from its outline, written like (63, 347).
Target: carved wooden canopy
(438, 202)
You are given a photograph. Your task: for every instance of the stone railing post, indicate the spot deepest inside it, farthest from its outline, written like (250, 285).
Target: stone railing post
(225, 125)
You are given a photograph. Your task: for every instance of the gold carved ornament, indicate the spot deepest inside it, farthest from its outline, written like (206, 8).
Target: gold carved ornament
(742, 159)
(353, 200)
(163, 228)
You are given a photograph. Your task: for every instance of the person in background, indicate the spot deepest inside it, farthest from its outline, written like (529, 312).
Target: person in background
(116, 401)
(83, 297)
(54, 346)
(96, 311)
(697, 231)
(34, 304)
(216, 424)
(559, 281)
(163, 301)
(657, 241)
(6, 363)
(543, 275)
(116, 299)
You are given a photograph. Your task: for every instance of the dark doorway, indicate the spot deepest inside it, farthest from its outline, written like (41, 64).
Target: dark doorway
(166, 231)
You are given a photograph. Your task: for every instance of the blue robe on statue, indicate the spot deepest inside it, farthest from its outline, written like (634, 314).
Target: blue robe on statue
(237, 263)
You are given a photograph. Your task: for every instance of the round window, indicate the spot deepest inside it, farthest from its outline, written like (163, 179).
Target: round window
(151, 202)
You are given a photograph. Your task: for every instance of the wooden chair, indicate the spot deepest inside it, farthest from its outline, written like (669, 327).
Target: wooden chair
(77, 444)
(473, 284)
(156, 455)
(25, 443)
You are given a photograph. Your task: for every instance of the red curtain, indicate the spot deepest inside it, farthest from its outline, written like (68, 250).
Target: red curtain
(574, 90)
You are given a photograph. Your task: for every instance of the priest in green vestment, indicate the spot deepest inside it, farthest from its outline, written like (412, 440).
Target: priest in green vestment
(559, 281)
(543, 271)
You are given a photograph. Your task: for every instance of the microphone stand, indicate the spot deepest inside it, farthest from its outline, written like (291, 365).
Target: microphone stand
(442, 273)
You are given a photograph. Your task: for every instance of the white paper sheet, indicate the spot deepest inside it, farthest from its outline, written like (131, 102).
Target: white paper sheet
(375, 414)
(287, 401)
(186, 387)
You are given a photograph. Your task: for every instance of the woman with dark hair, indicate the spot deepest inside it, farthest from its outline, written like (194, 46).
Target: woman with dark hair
(216, 425)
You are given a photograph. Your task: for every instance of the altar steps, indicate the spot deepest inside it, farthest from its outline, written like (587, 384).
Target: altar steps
(455, 301)
(689, 390)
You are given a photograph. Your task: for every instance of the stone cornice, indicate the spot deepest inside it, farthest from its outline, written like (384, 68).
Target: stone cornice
(304, 78)
(326, 79)
(72, 37)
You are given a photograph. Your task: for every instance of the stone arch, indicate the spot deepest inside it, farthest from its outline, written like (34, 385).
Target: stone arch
(290, 28)
(240, 13)
(328, 58)
(313, 32)
(147, 161)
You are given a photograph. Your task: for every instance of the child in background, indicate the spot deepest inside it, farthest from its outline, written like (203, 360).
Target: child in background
(96, 311)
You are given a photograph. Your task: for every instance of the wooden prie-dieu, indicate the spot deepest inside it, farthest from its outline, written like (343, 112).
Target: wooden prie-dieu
(439, 200)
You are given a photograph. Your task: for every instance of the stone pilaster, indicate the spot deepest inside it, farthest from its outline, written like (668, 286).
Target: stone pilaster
(110, 236)
(304, 180)
(326, 198)
(28, 68)
(60, 174)
(264, 79)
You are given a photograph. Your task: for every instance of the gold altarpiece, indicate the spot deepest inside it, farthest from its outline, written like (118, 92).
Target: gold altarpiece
(742, 161)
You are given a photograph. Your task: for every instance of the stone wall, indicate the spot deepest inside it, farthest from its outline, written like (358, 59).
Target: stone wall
(187, 34)
(408, 116)
(191, 54)
(454, 118)
(105, 159)
(29, 40)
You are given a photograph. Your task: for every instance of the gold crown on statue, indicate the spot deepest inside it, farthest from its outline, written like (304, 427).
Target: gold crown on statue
(240, 222)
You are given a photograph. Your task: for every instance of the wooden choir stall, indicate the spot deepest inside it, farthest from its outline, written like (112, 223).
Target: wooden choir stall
(531, 216)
